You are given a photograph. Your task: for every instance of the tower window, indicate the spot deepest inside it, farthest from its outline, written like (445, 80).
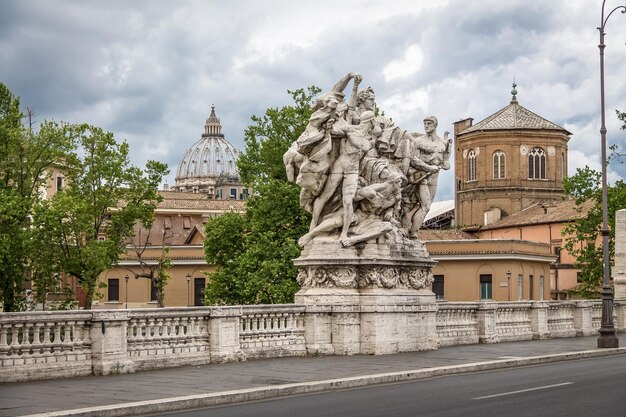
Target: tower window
(537, 164)
(59, 182)
(498, 165)
(471, 165)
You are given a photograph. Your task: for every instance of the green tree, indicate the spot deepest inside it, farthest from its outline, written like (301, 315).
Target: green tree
(584, 234)
(157, 273)
(253, 252)
(25, 158)
(86, 224)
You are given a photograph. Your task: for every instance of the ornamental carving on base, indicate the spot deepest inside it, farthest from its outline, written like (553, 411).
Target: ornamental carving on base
(365, 277)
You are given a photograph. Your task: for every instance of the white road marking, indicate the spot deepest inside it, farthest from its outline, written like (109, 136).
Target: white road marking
(522, 390)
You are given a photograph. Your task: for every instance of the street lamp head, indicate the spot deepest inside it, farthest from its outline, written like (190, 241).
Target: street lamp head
(126, 278)
(188, 276)
(508, 274)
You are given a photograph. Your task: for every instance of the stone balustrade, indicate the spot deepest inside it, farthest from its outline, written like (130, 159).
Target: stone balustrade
(271, 331)
(38, 345)
(44, 344)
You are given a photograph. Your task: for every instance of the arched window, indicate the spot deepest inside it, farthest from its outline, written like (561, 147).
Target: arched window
(471, 165)
(498, 165)
(537, 164)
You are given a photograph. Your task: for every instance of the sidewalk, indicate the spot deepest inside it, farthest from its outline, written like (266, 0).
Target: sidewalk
(194, 386)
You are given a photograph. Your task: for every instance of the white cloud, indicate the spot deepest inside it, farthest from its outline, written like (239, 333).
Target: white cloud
(410, 64)
(149, 71)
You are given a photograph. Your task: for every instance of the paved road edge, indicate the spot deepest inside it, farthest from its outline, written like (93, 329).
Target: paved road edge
(260, 393)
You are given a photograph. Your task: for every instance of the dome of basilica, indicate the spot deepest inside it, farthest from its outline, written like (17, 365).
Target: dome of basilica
(210, 162)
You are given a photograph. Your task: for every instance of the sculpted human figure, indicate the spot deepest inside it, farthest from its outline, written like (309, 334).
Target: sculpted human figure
(431, 153)
(308, 159)
(373, 216)
(345, 170)
(342, 162)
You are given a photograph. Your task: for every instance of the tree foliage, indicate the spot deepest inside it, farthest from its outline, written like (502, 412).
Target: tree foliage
(584, 241)
(24, 158)
(158, 273)
(86, 224)
(253, 252)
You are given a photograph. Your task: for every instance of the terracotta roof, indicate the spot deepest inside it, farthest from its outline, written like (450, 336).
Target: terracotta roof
(514, 117)
(448, 234)
(543, 213)
(195, 201)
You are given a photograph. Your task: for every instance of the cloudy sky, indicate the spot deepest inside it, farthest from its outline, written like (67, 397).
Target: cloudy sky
(150, 70)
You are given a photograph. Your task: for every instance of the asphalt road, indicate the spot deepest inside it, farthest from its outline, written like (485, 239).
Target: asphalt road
(592, 387)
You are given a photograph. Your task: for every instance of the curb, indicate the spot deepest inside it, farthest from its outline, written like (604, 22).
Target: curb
(254, 394)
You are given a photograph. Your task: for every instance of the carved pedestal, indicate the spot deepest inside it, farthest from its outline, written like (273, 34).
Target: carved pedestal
(373, 298)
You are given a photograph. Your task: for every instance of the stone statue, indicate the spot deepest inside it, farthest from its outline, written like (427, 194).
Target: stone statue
(429, 153)
(361, 176)
(368, 185)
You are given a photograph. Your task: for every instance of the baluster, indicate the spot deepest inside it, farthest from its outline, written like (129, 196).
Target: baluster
(4, 347)
(15, 343)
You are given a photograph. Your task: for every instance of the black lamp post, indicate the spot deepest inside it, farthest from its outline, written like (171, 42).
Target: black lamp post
(607, 338)
(188, 282)
(126, 289)
(508, 285)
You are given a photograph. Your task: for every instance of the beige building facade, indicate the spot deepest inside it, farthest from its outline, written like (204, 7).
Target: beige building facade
(179, 226)
(471, 269)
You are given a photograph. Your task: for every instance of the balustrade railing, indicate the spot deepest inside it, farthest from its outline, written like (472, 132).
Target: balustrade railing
(36, 345)
(57, 342)
(561, 319)
(179, 335)
(457, 324)
(272, 330)
(513, 321)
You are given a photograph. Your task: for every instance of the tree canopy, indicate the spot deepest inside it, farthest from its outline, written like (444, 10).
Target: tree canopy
(253, 252)
(25, 158)
(82, 229)
(584, 243)
(86, 224)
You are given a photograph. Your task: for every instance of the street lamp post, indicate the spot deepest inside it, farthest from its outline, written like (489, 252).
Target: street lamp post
(126, 290)
(508, 285)
(607, 338)
(188, 282)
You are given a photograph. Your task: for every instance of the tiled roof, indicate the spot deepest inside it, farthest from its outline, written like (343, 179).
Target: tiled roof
(514, 117)
(448, 234)
(196, 201)
(543, 213)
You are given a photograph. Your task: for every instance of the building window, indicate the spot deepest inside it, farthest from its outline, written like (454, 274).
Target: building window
(520, 287)
(113, 289)
(471, 165)
(198, 291)
(167, 222)
(579, 277)
(245, 194)
(438, 287)
(233, 193)
(153, 292)
(218, 194)
(536, 164)
(541, 294)
(531, 293)
(59, 183)
(186, 222)
(498, 165)
(485, 287)
(563, 173)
